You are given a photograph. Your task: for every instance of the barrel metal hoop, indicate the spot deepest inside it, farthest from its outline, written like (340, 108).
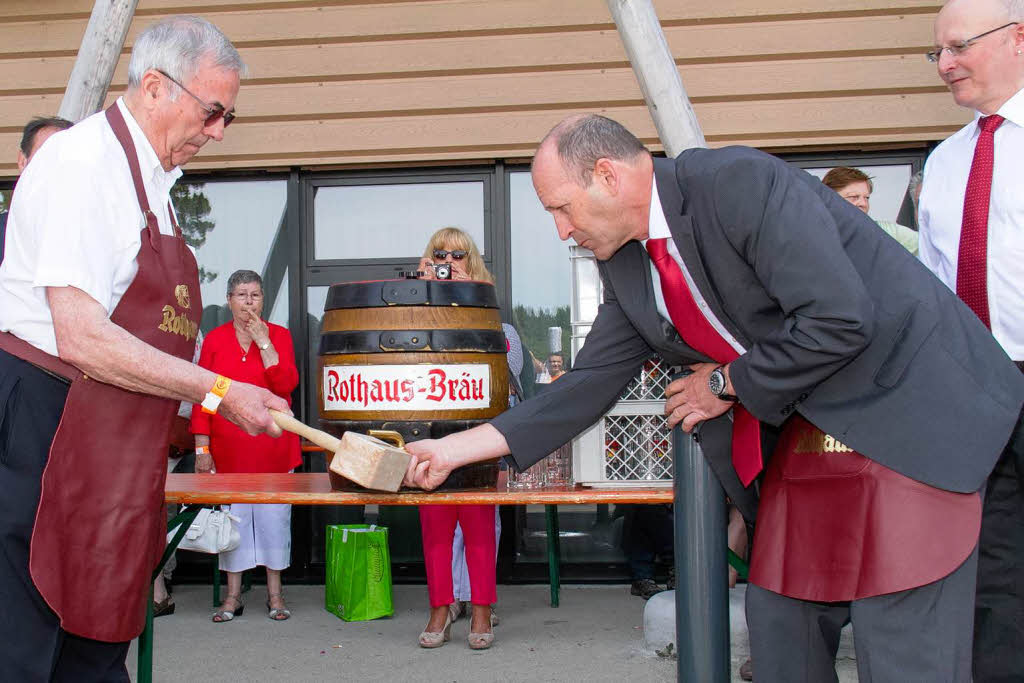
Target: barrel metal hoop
(384, 341)
(411, 293)
(410, 430)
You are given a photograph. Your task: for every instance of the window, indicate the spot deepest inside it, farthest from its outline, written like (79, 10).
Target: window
(394, 220)
(541, 279)
(235, 225)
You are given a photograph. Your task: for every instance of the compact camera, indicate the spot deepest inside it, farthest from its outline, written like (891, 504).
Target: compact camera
(442, 271)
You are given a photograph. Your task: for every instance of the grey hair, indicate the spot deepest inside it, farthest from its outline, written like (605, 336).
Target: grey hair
(243, 277)
(583, 139)
(1014, 9)
(915, 187)
(178, 46)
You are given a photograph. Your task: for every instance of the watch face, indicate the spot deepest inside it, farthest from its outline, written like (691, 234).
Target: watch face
(716, 382)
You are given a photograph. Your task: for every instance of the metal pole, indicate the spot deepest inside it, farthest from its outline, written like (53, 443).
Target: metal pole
(702, 589)
(657, 74)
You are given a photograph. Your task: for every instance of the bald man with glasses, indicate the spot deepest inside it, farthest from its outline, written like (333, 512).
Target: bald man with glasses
(972, 217)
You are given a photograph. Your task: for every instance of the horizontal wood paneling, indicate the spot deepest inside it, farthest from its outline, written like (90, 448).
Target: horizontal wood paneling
(537, 52)
(351, 82)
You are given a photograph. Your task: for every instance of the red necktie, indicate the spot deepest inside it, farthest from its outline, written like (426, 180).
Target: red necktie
(972, 260)
(697, 332)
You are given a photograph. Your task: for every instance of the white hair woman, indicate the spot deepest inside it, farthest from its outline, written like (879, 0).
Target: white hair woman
(252, 350)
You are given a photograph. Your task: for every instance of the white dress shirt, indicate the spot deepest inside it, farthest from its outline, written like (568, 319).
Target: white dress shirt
(657, 228)
(942, 208)
(75, 222)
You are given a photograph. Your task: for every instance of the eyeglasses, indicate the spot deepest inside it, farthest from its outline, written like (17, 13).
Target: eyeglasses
(213, 111)
(457, 254)
(956, 49)
(247, 296)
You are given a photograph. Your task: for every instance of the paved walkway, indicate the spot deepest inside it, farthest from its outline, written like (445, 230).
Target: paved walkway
(595, 635)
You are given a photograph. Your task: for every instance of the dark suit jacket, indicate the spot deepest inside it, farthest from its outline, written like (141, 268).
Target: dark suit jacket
(840, 323)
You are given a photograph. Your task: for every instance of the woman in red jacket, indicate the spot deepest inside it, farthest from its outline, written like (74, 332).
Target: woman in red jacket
(249, 349)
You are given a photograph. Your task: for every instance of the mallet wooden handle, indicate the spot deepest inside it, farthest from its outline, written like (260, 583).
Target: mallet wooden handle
(320, 438)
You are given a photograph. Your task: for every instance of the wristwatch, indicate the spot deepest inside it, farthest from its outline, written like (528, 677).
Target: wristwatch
(264, 347)
(717, 384)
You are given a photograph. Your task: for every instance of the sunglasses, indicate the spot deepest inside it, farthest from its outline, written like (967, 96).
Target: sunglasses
(457, 254)
(213, 111)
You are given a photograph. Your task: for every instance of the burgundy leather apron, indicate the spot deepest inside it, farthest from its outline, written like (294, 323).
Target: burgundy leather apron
(833, 525)
(100, 527)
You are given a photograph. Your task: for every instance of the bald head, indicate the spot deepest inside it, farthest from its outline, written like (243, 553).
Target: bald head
(990, 69)
(595, 179)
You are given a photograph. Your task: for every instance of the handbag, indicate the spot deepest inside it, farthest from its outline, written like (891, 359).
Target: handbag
(358, 581)
(212, 531)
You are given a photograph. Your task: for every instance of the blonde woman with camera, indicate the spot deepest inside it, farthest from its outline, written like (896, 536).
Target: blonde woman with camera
(452, 255)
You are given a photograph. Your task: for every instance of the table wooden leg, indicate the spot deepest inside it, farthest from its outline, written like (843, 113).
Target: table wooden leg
(554, 551)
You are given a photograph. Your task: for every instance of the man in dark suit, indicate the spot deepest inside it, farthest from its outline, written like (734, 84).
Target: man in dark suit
(791, 308)
(35, 133)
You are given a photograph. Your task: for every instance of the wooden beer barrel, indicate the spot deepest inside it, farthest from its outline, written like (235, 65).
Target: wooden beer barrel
(424, 358)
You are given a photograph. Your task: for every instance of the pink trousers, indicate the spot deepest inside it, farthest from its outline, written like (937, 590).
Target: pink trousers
(438, 525)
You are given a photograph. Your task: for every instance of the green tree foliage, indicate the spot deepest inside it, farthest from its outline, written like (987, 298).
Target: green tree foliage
(532, 325)
(192, 208)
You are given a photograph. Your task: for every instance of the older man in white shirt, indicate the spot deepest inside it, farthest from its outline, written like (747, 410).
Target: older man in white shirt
(972, 238)
(99, 312)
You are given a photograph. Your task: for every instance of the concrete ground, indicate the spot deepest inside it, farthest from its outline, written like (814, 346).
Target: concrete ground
(595, 635)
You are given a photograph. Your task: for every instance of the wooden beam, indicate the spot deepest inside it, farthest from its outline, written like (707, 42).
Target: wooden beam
(97, 58)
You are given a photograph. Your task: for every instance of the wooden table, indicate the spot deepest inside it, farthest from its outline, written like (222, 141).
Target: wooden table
(195, 490)
(315, 489)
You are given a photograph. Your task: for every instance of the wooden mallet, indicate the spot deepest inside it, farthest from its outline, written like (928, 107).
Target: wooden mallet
(366, 460)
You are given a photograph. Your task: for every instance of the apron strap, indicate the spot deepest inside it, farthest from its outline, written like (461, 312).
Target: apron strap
(120, 128)
(51, 365)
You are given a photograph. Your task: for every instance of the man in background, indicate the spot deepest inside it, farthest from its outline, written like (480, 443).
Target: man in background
(35, 133)
(972, 217)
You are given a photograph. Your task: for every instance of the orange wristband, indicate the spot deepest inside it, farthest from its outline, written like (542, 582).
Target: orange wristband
(214, 396)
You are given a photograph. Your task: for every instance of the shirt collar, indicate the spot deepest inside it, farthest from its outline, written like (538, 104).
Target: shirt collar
(149, 163)
(1012, 110)
(657, 225)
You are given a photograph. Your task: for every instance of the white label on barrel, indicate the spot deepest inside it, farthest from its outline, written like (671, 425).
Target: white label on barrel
(407, 387)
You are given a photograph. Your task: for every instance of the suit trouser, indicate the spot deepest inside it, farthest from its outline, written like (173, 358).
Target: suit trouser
(33, 646)
(646, 533)
(999, 611)
(921, 635)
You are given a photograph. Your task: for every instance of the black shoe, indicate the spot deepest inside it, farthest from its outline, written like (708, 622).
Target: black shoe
(645, 588)
(163, 608)
(670, 585)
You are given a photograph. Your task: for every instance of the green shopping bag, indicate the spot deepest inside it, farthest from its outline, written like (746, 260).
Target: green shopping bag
(358, 586)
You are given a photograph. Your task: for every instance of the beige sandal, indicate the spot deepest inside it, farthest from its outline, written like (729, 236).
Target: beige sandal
(481, 641)
(222, 615)
(432, 639)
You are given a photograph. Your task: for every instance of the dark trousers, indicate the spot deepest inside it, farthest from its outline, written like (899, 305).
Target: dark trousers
(646, 533)
(999, 611)
(33, 646)
(921, 635)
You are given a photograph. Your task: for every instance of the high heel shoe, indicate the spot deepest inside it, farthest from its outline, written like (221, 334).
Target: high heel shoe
(431, 639)
(480, 641)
